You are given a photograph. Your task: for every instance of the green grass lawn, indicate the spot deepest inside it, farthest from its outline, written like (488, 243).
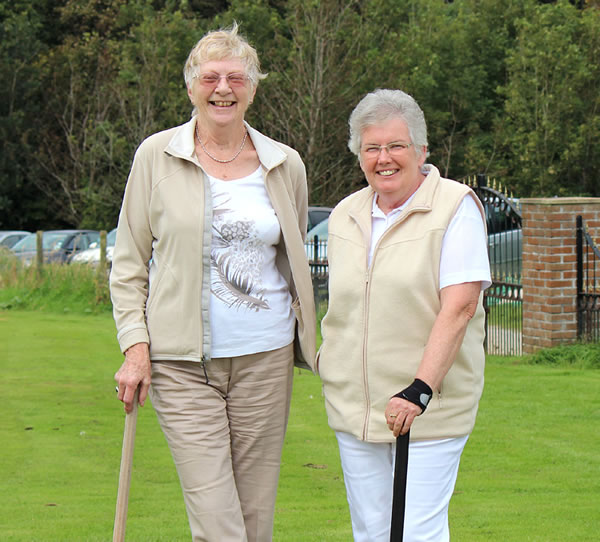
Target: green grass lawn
(530, 472)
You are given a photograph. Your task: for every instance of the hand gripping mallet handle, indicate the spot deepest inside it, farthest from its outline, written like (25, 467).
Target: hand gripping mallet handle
(125, 473)
(399, 499)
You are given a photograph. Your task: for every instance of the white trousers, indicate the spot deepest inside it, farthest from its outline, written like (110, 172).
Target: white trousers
(369, 476)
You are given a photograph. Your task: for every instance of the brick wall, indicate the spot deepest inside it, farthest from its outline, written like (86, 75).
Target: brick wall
(550, 267)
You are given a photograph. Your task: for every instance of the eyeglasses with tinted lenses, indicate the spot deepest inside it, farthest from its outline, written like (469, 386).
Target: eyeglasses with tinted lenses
(396, 148)
(213, 79)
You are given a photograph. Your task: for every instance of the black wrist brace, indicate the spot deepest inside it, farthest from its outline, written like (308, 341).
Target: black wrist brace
(418, 393)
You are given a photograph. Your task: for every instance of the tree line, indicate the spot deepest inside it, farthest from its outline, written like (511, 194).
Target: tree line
(509, 88)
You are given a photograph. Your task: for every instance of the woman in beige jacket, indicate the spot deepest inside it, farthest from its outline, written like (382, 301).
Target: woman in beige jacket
(407, 265)
(212, 293)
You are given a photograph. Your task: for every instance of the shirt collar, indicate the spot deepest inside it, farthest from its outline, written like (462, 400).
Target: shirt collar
(376, 211)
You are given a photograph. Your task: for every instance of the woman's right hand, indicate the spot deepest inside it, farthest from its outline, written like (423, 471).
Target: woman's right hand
(135, 372)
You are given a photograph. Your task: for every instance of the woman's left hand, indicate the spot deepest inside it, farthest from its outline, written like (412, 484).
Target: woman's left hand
(135, 372)
(399, 415)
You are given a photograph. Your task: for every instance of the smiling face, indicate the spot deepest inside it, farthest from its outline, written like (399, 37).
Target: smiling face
(221, 103)
(395, 177)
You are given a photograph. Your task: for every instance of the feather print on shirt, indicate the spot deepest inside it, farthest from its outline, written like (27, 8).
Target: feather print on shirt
(237, 259)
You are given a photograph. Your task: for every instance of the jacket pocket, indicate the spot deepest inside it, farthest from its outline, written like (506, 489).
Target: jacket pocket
(439, 395)
(317, 359)
(154, 288)
(166, 315)
(296, 306)
(299, 360)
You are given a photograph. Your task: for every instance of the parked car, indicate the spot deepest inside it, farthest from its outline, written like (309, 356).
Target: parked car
(58, 245)
(317, 215)
(506, 254)
(503, 215)
(92, 255)
(11, 238)
(316, 249)
(505, 239)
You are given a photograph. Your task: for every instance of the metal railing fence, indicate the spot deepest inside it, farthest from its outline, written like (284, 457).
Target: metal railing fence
(588, 285)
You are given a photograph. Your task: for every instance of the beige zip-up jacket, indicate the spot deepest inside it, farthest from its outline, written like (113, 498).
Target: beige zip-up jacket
(380, 317)
(160, 277)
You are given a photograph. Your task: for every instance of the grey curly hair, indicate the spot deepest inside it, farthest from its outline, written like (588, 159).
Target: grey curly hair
(381, 105)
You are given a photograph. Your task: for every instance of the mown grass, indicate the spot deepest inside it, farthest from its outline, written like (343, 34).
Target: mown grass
(529, 472)
(62, 435)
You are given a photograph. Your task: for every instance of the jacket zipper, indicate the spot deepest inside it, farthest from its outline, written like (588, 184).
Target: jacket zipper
(205, 339)
(366, 313)
(364, 356)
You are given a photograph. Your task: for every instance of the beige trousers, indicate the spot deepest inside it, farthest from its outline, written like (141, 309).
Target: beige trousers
(226, 438)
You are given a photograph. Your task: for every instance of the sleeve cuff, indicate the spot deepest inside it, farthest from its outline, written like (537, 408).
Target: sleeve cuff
(128, 337)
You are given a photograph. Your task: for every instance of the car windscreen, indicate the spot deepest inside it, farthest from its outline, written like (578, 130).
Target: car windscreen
(54, 241)
(50, 241)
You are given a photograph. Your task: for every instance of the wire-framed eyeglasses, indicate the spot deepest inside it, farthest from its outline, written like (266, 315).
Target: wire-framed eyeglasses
(212, 79)
(395, 148)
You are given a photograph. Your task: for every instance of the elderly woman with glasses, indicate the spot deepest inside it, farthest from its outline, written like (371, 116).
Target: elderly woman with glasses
(403, 336)
(212, 293)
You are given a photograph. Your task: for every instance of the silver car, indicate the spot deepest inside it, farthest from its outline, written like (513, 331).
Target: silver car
(91, 255)
(506, 254)
(505, 240)
(58, 245)
(9, 239)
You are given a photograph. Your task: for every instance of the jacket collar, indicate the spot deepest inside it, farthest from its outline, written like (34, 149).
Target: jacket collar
(269, 153)
(421, 202)
(182, 145)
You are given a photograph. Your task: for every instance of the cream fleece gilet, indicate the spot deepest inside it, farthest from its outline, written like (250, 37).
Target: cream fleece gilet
(380, 317)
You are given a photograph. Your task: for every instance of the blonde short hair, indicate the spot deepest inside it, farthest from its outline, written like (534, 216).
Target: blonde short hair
(223, 44)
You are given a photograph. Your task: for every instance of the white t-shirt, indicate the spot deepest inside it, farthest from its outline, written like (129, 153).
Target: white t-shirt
(464, 255)
(251, 306)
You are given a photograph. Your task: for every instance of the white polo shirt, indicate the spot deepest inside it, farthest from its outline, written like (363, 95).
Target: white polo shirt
(464, 247)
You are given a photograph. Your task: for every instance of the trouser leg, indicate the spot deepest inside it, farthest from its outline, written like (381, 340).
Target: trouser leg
(368, 469)
(193, 418)
(432, 472)
(226, 439)
(258, 408)
(368, 475)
